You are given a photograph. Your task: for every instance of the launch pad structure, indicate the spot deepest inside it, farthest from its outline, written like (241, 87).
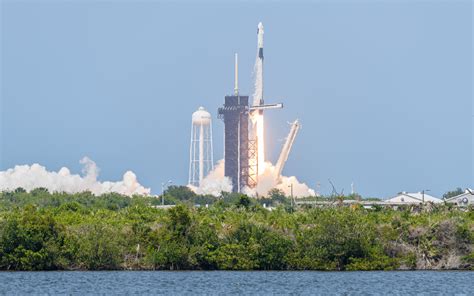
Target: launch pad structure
(240, 150)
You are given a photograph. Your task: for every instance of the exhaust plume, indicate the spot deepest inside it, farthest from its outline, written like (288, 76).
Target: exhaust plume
(34, 176)
(215, 182)
(269, 179)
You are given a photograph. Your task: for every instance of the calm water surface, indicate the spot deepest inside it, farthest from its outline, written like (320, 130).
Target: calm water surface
(250, 283)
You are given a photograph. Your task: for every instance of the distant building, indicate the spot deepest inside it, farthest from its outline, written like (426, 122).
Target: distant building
(462, 200)
(413, 198)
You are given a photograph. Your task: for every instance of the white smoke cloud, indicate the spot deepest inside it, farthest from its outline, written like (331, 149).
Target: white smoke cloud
(269, 180)
(34, 176)
(215, 183)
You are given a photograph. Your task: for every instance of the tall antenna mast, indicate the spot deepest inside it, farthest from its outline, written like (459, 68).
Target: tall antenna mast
(236, 75)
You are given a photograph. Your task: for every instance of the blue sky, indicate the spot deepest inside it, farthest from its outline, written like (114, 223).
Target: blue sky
(383, 89)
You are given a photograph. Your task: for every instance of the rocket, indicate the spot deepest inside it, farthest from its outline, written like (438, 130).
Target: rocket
(260, 56)
(260, 40)
(258, 102)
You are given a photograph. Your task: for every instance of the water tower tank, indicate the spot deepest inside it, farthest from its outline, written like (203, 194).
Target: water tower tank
(201, 116)
(201, 160)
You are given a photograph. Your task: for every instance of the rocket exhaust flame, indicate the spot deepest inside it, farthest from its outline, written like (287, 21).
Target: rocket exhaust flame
(261, 142)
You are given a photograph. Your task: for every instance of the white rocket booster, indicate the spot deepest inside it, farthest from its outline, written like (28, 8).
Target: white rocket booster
(260, 57)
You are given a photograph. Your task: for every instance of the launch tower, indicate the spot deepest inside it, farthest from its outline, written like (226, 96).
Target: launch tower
(239, 151)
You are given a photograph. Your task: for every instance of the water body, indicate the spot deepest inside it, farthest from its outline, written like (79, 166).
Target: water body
(237, 283)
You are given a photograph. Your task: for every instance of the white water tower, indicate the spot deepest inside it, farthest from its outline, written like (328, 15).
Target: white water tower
(201, 160)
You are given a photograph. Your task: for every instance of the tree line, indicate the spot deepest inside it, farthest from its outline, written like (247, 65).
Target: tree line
(40, 230)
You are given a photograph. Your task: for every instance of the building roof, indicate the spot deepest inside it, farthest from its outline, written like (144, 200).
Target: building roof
(465, 198)
(415, 197)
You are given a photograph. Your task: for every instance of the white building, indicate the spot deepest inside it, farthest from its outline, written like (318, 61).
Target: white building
(413, 198)
(463, 200)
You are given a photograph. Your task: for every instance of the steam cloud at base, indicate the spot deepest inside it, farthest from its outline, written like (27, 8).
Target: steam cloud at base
(216, 182)
(269, 180)
(35, 176)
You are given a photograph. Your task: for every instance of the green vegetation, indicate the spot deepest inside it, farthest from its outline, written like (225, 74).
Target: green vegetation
(57, 231)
